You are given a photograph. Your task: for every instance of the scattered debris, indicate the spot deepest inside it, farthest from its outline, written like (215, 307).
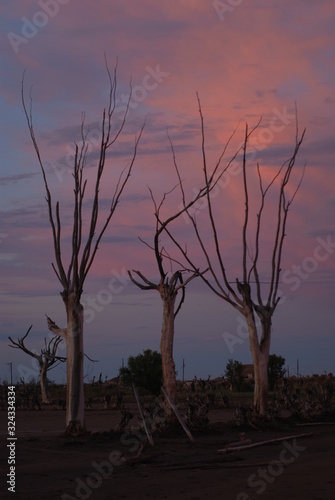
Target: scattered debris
(230, 448)
(178, 415)
(150, 438)
(197, 411)
(127, 415)
(306, 398)
(315, 423)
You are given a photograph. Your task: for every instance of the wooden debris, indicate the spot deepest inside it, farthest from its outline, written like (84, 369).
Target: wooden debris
(150, 438)
(178, 415)
(315, 423)
(262, 443)
(238, 444)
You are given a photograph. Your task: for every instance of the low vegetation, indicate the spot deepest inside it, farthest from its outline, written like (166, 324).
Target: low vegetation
(305, 398)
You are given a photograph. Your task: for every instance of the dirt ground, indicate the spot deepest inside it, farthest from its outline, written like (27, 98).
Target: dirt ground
(104, 465)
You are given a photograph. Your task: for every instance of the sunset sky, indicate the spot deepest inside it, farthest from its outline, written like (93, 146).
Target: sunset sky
(246, 60)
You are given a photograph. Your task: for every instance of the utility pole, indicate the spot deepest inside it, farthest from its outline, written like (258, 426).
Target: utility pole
(183, 368)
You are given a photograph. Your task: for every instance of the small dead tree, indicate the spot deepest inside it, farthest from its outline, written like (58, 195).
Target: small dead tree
(46, 359)
(83, 252)
(249, 296)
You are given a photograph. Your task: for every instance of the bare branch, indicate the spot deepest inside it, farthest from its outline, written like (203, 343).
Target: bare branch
(77, 271)
(283, 208)
(49, 353)
(145, 243)
(149, 285)
(87, 261)
(55, 328)
(47, 356)
(210, 183)
(55, 232)
(90, 359)
(246, 200)
(21, 345)
(246, 208)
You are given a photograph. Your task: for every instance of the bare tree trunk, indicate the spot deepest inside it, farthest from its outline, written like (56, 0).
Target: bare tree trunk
(166, 345)
(44, 384)
(260, 356)
(168, 290)
(75, 420)
(261, 384)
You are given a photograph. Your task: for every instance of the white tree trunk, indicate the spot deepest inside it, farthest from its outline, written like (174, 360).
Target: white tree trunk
(261, 383)
(166, 346)
(260, 357)
(44, 384)
(75, 419)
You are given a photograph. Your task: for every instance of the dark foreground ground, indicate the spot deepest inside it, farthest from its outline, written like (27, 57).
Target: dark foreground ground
(49, 465)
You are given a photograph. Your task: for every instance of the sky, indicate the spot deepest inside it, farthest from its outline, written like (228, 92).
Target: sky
(246, 61)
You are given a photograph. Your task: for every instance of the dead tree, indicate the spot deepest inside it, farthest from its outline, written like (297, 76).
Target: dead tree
(84, 247)
(46, 359)
(170, 283)
(168, 286)
(247, 294)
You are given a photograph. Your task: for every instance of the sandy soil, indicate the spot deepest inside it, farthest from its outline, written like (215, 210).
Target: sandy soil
(49, 465)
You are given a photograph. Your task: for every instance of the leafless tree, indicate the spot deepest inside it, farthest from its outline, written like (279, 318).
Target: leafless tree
(83, 252)
(247, 294)
(168, 286)
(46, 359)
(171, 282)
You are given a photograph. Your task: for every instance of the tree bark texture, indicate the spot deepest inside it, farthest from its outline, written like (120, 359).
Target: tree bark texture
(44, 384)
(74, 336)
(166, 346)
(260, 357)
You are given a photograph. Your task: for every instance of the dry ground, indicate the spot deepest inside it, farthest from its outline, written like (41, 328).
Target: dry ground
(49, 465)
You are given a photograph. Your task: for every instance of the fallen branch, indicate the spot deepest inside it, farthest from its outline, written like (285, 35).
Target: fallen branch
(178, 415)
(262, 443)
(315, 423)
(238, 444)
(149, 436)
